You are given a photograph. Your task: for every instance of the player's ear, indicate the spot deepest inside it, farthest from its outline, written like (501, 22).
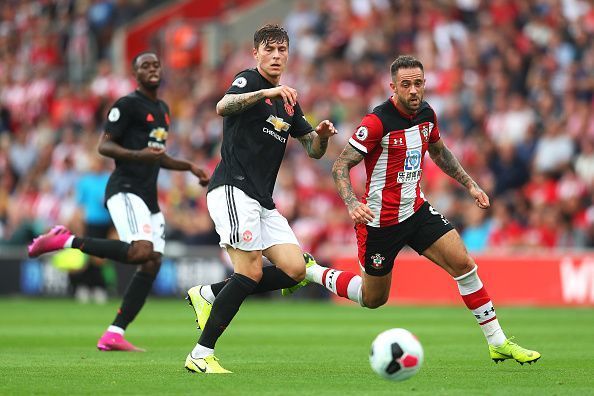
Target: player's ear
(392, 86)
(255, 53)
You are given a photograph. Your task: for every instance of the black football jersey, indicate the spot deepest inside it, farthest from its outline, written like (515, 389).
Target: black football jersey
(135, 122)
(254, 140)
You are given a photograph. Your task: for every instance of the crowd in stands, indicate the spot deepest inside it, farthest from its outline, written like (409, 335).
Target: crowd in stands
(512, 84)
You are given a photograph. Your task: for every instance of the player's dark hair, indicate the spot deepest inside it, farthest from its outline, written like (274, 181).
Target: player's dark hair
(269, 34)
(135, 59)
(405, 62)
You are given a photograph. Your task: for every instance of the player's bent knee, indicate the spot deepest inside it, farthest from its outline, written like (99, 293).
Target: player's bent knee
(374, 301)
(465, 266)
(297, 273)
(253, 274)
(140, 252)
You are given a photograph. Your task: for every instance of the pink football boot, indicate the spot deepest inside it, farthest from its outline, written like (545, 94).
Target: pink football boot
(111, 341)
(52, 241)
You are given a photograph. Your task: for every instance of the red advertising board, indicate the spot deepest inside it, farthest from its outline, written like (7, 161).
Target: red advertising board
(545, 280)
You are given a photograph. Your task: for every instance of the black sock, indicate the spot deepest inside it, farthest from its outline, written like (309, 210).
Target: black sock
(225, 307)
(134, 298)
(273, 278)
(104, 248)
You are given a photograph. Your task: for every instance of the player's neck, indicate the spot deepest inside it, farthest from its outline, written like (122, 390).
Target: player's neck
(274, 80)
(151, 94)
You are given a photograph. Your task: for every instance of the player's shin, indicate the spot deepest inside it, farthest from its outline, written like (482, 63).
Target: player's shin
(224, 309)
(134, 299)
(478, 301)
(104, 248)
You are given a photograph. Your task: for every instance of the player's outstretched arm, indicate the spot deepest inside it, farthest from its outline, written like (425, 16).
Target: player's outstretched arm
(107, 147)
(447, 162)
(171, 163)
(360, 213)
(316, 143)
(236, 103)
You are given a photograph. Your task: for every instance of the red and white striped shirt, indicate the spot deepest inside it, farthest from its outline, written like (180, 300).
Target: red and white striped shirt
(394, 145)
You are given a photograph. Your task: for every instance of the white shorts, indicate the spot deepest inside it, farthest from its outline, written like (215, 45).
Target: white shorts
(243, 223)
(134, 221)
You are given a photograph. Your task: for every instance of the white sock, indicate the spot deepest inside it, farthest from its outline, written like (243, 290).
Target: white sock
(354, 290)
(315, 274)
(200, 351)
(478, 301)
(116, 329)
(68, 243)
(206, 292)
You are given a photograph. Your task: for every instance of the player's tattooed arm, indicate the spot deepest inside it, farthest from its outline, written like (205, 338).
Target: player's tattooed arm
(360, 213)
(447, 162)
(316, 142)
(444, 158)
(314, 145)
(236, 103)
(341, 174)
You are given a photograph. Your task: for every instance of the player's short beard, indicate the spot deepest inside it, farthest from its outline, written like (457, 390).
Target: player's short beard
(151, 86)
(405, 103)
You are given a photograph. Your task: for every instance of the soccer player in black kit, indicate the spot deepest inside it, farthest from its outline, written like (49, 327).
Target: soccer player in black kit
(259, 116)
(135, 137)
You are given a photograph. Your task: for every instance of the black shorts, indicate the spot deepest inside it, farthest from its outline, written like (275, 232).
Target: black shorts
(379, 246)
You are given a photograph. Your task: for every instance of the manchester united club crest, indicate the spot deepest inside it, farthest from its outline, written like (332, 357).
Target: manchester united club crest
(425, 132)
(289, 109)
(377, 261)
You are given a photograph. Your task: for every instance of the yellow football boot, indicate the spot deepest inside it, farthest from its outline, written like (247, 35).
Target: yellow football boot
(511, 350)
(200, 305)
(207, 365)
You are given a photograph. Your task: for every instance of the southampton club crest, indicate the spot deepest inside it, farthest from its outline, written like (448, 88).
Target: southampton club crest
(377, 261)
(425, 132)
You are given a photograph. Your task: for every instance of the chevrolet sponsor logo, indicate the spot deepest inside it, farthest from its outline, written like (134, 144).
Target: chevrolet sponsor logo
(159, 134)
(278, 123)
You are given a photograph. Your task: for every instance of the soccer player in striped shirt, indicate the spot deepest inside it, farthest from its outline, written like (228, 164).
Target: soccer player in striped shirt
(392, 142)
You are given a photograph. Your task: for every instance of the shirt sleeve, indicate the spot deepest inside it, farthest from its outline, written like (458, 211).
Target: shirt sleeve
(245, 81)
(118, 119)
(434, 136)
(368, 135)
(300, 125)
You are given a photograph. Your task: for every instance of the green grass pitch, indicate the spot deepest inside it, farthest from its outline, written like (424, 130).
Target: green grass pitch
(289, 347)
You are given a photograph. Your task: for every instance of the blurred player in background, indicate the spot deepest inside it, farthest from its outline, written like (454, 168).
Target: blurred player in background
(90, 192)
(259, 116)
(392, 141)
(135, 137)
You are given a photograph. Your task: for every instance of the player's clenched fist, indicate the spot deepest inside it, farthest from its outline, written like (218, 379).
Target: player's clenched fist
(325, 129)
(360, 213)
(288, 94)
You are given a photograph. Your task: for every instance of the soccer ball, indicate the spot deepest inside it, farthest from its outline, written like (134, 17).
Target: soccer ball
(396, 354)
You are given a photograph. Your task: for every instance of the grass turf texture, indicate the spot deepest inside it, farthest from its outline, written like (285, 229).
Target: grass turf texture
(287, 347)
